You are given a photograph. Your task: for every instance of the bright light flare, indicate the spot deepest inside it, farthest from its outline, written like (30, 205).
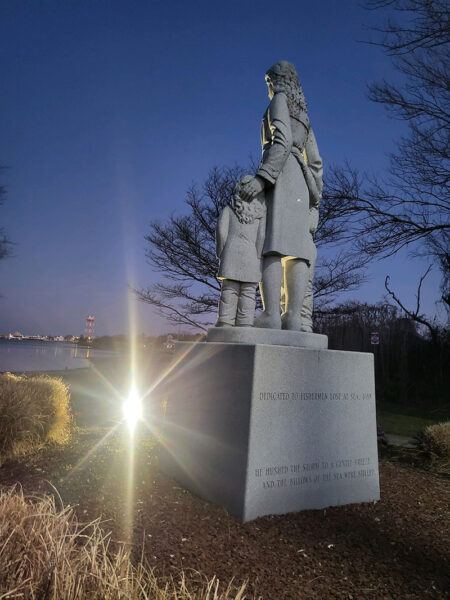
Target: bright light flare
(132, 408)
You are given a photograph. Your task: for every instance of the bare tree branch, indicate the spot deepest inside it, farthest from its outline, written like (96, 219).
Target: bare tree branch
(182, 250)
(409, 207)
(414, 315)
(427, 26)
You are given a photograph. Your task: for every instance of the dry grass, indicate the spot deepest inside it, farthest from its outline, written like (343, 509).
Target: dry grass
(436, 439)
(33, 411)
(46, 554)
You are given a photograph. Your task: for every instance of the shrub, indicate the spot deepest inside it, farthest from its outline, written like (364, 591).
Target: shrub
(436, 439)
(33, 411)
(48, 554)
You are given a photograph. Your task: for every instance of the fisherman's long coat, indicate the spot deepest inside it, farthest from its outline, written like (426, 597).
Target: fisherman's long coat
(283, 138)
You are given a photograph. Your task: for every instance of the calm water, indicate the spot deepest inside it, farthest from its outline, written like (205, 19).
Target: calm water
(29, 355)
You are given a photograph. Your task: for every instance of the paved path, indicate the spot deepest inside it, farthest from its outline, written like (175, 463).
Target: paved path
(399, 440)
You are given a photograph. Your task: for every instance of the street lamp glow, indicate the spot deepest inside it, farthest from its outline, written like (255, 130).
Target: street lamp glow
(132, 408)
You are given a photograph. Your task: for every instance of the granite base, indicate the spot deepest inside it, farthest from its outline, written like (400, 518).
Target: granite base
(264, 429)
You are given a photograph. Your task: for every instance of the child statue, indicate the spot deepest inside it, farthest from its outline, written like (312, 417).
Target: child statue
(240, 237)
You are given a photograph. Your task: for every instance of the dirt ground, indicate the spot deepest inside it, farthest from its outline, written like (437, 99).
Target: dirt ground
(398, 548)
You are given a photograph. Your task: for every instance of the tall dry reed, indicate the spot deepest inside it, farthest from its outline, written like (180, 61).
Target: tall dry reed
(46, 554)
(33, 411)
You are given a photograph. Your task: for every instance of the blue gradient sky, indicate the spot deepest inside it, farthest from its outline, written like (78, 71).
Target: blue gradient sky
(111, 109)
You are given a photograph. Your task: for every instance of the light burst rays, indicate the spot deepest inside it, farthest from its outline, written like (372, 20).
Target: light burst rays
(171, 373)
(140, 392)
(90, 453)
(106, 381)
(153, 421)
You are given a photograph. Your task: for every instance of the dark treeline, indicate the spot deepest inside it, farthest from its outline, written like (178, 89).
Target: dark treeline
(410, 368)
(121, 343)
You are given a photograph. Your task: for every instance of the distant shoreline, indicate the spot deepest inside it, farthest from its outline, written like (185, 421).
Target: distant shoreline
(34, 356)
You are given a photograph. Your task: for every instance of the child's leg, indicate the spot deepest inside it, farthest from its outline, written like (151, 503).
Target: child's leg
(228, 303)
(246, 305)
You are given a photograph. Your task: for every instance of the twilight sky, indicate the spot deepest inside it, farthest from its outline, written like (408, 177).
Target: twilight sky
(110, 109)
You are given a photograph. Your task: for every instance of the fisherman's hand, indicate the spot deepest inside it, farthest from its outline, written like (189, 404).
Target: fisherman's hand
(252, 188)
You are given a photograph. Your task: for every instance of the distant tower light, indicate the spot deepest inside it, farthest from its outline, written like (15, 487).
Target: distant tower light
(89, 328)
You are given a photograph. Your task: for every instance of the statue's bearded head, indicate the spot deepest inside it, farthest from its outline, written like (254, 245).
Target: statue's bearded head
(282, 77)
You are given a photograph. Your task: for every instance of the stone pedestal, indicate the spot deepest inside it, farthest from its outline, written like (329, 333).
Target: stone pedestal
(262, 429)
(273, 337)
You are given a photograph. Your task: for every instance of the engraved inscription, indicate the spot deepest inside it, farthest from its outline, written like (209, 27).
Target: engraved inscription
(305, 396)
(314, 473)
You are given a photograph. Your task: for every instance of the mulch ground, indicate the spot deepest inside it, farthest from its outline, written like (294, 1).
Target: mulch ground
(398, 548)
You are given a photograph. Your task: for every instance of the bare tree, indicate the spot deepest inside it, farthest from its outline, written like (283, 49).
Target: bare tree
(410, 207)
(414, 314)
(410, 368)
(428, 25)
(182, 250)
